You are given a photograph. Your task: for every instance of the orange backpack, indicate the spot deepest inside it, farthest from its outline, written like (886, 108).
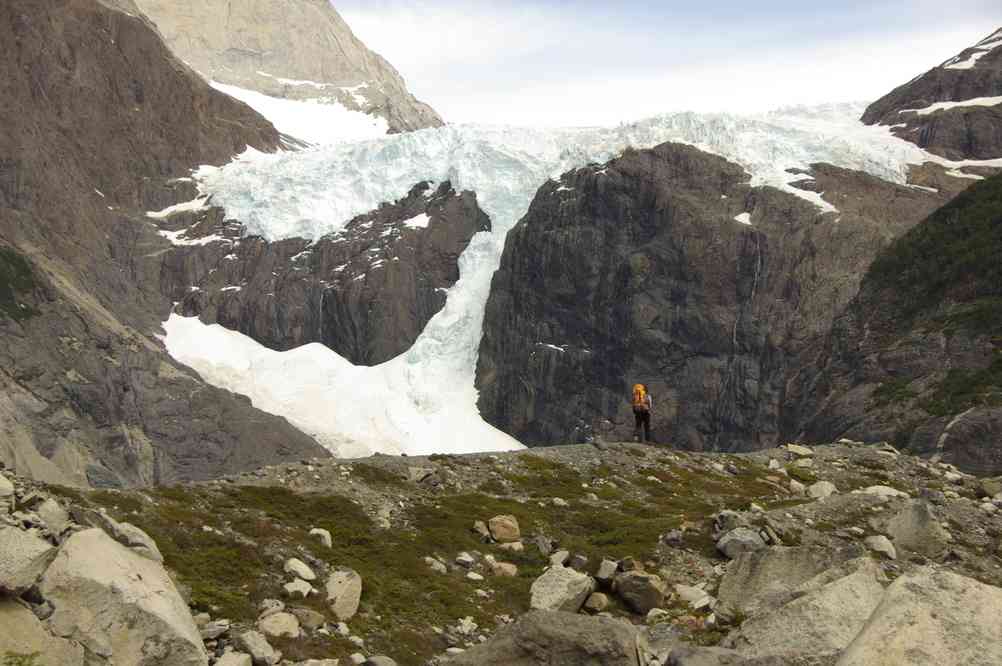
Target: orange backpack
(640, 397)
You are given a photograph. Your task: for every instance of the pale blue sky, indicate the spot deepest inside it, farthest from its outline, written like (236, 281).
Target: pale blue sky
(587, 62)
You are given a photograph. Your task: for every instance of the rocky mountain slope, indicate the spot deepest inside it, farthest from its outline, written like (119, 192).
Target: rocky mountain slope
(366, 291)
(610, 554)
(246, 43)
(954, 110)
(98, 117)
(917, 355)
(664, 266)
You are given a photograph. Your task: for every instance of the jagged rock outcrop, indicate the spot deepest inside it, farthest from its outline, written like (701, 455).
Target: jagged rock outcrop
(915, 358)
(246, 43)
(664, 266)
(97, 115)
(954, 110)
(366, 291)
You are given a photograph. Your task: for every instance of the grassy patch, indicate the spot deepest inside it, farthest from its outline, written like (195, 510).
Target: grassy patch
(376, 476)
(16, 278)
(962, 389)
(893, 392)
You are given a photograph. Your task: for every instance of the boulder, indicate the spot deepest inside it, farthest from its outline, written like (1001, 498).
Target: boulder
(298, 568)
(261, 651)
(23, 559)
(297, 589)
(561, 589)
(881, 544)
(827, 613)
(799, 451)
(548, 637)
(761, 578)
(640, 591)
(235, 659)
(504, 529)
(931, 618)
(118, 604)
(607, 572)
(821, 490)
(914, 528)
(54, 516)
(279, 625)
(323, 536)
(23, 633)
(344, 592)
(741, 540)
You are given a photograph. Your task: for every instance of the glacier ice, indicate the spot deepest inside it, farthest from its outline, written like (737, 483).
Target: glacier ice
(424, 400)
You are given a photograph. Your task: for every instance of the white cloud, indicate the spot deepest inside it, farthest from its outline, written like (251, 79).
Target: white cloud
(547, 66)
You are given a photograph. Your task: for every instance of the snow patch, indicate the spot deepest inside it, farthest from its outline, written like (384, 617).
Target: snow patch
(744, 218)
(177, 238)
(232, 288)
(418, 221)
(316, 121)
(942, 106)
(186, 207)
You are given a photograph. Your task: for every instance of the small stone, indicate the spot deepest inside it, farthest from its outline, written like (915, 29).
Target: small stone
(800, 451)
(883, 491)
(297, 567)
(557, 501)
(379, 660)
(297, 589)
(480, 527)
(797, 488)
(436, 565)
(607, 572)
(280, 625)
(466, 560)
(344, 592)
(215, 629)
(357, 658)
(822, 489)
(323, 536)
(504, 528)
(596, 602)
(474, 576)
(504, 569)
(514, 546)
(738, 541)
(309, 619)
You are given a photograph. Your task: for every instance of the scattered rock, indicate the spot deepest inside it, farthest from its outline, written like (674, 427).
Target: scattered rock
(560, 558)
(640, 591)
(740, 540)
(504, 569)
(297, 567)
(480, 527)
(297, 589)
(881, 544)
(800, 451)
(596, 602)
(214, 629)
(542, 637)
(466, 560)
(23, 559)
(560, 588)
(279, 625)
(323, 536)
(309, 619)
(883, 491)
(915, 528)
(235, 659)
(261, 651)
(822, 489)
(607, 572)
(504, 529)
(344, 592)
(436, 565)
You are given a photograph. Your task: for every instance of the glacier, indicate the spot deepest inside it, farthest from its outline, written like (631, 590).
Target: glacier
(424, 401)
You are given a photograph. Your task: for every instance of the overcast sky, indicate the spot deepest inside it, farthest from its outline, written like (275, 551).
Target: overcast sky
(588, 62)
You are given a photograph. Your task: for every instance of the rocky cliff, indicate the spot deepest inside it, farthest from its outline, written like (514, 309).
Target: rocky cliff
(247, 43)
(366, 291)
(664, 266)
(916, 358)
(954, 110)
(98, 116)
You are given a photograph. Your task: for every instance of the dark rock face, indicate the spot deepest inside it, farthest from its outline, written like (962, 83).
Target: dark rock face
(97, 114)
(366, 291)
(916, 358)
(967, 132)
(639, 271)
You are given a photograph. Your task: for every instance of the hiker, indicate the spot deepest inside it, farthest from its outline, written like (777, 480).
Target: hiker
(643, 405)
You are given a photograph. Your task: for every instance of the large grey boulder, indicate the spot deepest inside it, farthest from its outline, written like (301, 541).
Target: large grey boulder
(126, 534)
(914, 528)
(548, 637)
(740, 540)
(23, 559)
(23, 633)
(640, 591)
(932, 618)
(819, 623)
(761, 578)
(54, 516)
(118, 604)
(561, 589)
(344, 592)
(280, 625)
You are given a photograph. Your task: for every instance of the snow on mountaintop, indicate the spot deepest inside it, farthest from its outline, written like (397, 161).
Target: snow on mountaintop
(425, 400)
(317, 121)
(980, 50)
(943, 106)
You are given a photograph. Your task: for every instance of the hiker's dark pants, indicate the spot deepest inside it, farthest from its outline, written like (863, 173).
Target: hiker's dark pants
(643, 420)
